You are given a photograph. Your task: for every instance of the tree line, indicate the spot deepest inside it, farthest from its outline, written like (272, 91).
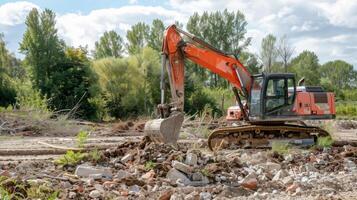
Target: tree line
(120, 78)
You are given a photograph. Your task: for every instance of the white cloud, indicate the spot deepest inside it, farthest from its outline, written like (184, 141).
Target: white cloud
(15, 12)
(78, 29)
(133, 1)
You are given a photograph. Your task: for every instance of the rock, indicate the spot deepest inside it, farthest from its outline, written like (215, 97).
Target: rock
(292, 187)
(310, 168)
(287, 180)
(270, 166)
(160, 159)
(5, 173)
(122, 174)
(250, 183)
(85, 171)
(191, 159)
(126, 158)
(197, 176)
(72, 195)
(166, 195)
(192, 196)
(205, 196)
(109, 184)
(66, 185)
(181, 167)
(280, 174)
(176, 196)
(148, 175)
(97, 176)
(350, 165)
(95, 194)
(174, 175)
(288, 157)
(203, 182)
(99, 187)
(134, 189)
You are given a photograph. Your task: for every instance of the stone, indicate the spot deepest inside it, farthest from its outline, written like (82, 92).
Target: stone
(166, 195)
(280, 174)
(97, 176)
(203, 182)
(288, 157)
(122, 174)
(292, 187)
(95, 194)
(149, 175)
(174, 174)
(99, 187)
(191, 159)
(287, 180)
(85, 171)
(5, 173)
(181, 167)
(197, 176)
(134, 189)
(72, 195)
(250, 183)
(160, 159)
(270, 166)
(205, 196)
(66, 185)
(176, 196)
(126, 158)
(310, 168)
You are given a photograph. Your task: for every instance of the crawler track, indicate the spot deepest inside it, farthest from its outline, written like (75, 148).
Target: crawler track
(261, 136)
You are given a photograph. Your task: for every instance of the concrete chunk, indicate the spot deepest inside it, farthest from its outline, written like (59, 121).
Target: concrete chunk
(175, 174)
(85, 171)
(181, 167)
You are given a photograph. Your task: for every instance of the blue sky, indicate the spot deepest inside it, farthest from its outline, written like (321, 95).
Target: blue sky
(327, 27)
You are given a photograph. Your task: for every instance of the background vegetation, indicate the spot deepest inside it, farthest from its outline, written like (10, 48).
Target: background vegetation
(120, 77)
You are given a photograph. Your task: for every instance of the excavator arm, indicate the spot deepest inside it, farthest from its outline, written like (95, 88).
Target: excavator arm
(175, 50)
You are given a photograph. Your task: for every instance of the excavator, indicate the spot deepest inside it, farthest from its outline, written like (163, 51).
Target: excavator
(271, 105)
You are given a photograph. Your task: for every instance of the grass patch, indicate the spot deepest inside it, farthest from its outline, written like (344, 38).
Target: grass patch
(280, 147)
(149, 165)
(82, 138)
(70, 158)
(324, 141)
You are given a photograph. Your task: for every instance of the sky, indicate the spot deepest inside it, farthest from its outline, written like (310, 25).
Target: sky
(327, 27)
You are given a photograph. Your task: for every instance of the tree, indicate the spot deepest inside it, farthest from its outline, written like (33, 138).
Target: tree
(156, 34)
(42, 48)
(7, 91)
(268, 52)
(250, 61)
(306, 64)
(137, 37)
(109, 45)
(331, 74)
(285, 51)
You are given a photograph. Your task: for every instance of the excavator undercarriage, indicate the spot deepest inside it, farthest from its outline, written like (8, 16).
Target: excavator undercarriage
(263, 135)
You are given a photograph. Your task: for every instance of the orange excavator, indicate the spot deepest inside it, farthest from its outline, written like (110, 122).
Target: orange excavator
(274, 106)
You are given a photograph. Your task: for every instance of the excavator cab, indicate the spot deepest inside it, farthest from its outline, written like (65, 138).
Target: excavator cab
(272, 96)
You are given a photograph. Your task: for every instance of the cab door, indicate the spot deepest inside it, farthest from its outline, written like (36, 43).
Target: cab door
(278, 95)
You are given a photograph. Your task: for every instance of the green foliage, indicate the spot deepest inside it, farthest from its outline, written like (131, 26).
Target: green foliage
(131, 86)
(137, 37)
(70, 158)
(30, 99)
(268, 52)
(149, 165)
(306, 64)
(42, 192)
(324, 141)
(94, 155)
(156, 35)
(82, 138)
(109, 45)
(346, 109)
(280, 147)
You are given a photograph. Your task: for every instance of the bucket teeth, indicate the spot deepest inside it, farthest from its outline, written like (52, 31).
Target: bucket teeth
(165, 130)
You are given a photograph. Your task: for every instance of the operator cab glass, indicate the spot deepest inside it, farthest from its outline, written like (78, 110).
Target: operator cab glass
(272, 95)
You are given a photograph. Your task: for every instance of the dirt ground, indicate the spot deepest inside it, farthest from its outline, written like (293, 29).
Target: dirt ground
(143, 170)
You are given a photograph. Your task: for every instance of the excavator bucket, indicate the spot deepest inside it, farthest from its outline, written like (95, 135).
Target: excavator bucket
(165, 130)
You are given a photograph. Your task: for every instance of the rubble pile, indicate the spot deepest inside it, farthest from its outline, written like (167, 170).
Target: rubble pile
(156, 171)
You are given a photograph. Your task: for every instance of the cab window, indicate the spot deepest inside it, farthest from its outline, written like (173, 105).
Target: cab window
(276, 93)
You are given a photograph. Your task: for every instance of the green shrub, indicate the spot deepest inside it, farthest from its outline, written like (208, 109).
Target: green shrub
(280, 147)
(30, 99)
(70, 158)
(324, 141)
(348, 109)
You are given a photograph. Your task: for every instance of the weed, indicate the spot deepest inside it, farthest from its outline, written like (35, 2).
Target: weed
(324, 141)
(82, 138)
(42, 192)
(280, 147)
(205, 172)
(94, 155)
(149, 165)
(70, 158)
